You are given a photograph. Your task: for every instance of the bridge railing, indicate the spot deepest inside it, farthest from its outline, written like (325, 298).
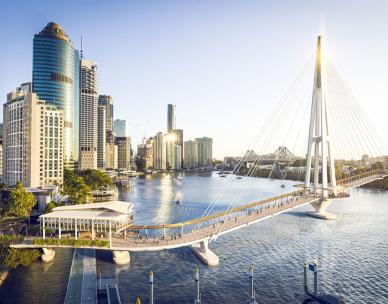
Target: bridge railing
(220, 214)
(357, 177)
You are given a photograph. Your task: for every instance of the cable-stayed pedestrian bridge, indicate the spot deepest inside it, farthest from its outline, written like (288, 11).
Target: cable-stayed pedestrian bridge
(108, 226)
(199, 232)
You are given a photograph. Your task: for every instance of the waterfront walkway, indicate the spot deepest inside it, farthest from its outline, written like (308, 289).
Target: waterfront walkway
(82, 286)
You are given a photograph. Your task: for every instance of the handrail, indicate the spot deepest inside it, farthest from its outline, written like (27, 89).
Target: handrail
(366, 174)
(243, 207)
(218, 214)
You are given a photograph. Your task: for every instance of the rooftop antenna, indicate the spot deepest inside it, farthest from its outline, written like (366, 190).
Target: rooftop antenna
(82, 52)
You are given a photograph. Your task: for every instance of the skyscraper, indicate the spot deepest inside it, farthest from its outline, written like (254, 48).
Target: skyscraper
(191, 154)
(171, 121)
(178, 134)
(121, 128)
(159, 152)
(107, 101)
(88, 115)
(55, 79)
(205, 151)
(101, 136)
(123, 152)
(33, 140)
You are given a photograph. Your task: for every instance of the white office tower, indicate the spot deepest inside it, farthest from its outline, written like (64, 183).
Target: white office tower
(191, 154)
(159, 147)
(32, 140)
(101, 136)
(205, 152)
(88, 115)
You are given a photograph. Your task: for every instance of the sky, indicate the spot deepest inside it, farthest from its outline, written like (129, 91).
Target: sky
(225, 64)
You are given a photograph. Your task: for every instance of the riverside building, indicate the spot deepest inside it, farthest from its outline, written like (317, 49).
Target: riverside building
(55, 79)
(107, 101)
(205, 152)
(159, 147)
(88, 115)
(101, 136)
(123, 143)
(191, 154)
(32, 140)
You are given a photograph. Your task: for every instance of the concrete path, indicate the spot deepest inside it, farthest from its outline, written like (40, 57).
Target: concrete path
(81, 287)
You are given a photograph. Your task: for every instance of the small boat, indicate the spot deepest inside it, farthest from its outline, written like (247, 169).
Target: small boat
(222, 175)
(283, 185)
(178, 198)
(239, 177)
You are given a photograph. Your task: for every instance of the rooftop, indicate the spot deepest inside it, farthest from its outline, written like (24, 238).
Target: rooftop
(113, 210)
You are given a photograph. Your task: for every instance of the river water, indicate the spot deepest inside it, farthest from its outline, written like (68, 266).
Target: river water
(351, 251)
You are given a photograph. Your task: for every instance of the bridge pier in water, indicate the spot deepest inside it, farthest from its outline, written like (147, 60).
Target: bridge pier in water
(121, 257)
(320, 210)
(48, 255)
(203, 252)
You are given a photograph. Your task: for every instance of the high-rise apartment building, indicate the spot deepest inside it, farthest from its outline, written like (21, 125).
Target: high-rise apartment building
(123, 152)
(101, 136)
(191, 154)
(174, 153)
(159, 146)
(178, 137)
(177, 157)
(55, 79)
(171, 120)
(205, 151)
(107, 101)
(88, 115)
(32, 140)
(123, 142)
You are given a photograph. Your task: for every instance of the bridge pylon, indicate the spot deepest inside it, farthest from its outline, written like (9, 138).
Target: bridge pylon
(319, 147)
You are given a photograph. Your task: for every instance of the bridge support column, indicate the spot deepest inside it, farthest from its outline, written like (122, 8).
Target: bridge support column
(121, 257)
(206, 256)
(320, 210)
(48, 255)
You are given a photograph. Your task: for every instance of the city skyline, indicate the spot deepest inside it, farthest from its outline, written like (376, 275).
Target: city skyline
(221, 66)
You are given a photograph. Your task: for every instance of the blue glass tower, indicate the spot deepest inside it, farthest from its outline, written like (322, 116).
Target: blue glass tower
(55, 79)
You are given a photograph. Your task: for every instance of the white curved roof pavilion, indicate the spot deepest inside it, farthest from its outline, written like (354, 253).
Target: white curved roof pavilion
(113, 216)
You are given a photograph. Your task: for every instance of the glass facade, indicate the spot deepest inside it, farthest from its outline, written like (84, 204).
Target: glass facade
(55, 79)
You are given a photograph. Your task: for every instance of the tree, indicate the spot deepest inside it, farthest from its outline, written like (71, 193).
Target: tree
(96, 179)
(21, 201)
(75, 188)
(140, 164)
(20, 257)
(339, 170)
(49, 207)
(377, 165)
